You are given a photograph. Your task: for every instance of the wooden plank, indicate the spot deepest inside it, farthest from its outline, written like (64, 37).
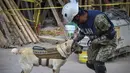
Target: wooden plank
(19, 2)
(57, 18)
(16, 18)
(100, 1)
(4, 26)
(80, 2)
(55, 14)
(19, 22)
(44, 14)
(27, 13)
(85, 2)
(10, 35)
(61, 2)
(7, 20)
(129, 10)
(30, 36)
(16, 29)
(37, 39)
(128, 7)
(3, 41)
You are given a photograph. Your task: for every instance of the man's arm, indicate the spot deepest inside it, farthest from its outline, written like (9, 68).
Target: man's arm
(103, 27)
(101, 23)
(75, 46)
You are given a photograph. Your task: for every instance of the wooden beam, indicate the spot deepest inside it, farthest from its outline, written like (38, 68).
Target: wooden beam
(44, 14)
(55, 14)
(57, 17)
(29, 34)
(80, 2)
(28, 26)
(128, 7)
(18, 2)
(27, 13)
(15, 16)
(12, 23)
(100, 1)
(32, 35)
(85, 2)
(4, 26)
(3, 41)
(61, 2)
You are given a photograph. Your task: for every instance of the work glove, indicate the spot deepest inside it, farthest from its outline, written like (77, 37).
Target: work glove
(76, 48)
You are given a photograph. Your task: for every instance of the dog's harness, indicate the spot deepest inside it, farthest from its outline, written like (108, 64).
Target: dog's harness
(40, 61)
(47, 62)
(51, 53)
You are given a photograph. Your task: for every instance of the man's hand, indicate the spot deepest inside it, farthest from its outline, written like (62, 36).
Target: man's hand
(76, 48)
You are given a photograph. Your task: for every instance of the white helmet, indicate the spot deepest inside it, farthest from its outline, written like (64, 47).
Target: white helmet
(69, 11)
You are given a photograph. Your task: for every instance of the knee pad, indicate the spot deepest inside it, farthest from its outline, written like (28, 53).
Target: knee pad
(91, 66)
(99, 67)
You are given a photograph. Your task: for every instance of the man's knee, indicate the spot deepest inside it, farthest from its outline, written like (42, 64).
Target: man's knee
(99, 67)
(91, 66)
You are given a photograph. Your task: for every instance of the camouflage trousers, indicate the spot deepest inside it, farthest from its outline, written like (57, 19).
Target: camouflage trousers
(97, 52)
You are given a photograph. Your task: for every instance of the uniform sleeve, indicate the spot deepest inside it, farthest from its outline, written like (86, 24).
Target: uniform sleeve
(79, 37)
(102, 25)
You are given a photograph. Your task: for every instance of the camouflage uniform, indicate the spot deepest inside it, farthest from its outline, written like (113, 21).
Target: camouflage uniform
(101, 48)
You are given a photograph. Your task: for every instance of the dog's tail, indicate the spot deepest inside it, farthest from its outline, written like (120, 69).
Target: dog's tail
(16, 51)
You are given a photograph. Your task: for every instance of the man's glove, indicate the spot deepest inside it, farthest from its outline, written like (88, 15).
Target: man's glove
(76, 48)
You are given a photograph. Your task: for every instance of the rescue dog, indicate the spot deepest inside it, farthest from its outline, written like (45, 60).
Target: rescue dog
(28, 59)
